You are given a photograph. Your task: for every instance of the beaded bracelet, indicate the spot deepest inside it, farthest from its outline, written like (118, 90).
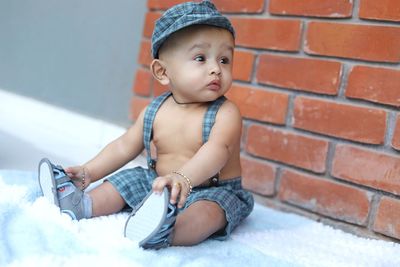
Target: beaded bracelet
(189, 183)
(83, 179)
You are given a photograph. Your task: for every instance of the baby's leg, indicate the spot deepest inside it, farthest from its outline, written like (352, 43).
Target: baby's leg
(106, 200)
(198, 222)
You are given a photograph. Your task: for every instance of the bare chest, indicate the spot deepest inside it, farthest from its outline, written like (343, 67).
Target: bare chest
(178, 130)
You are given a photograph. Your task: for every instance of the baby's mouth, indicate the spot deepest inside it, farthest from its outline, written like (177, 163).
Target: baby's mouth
(215, 85)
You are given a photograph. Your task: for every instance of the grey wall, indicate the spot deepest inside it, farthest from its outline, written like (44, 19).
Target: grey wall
(78, 54)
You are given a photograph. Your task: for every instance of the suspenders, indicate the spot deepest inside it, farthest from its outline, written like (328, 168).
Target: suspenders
(150, 114)
(148, 120)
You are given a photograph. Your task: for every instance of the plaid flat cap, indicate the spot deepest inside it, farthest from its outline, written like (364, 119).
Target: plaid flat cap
(184, 15)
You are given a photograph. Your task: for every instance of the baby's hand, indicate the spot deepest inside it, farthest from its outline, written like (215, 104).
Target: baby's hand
(178, 186)
(79, 175)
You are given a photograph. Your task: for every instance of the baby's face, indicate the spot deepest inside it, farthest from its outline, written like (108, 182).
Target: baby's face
(198, 62)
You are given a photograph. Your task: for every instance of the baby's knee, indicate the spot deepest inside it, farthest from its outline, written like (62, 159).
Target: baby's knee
(198, 222)
(214, 214)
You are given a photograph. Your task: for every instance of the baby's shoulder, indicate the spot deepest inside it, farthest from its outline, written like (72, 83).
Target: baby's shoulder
(229, 109)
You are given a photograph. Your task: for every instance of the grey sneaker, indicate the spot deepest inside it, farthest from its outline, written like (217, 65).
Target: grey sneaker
(151, 223)
(59, 189)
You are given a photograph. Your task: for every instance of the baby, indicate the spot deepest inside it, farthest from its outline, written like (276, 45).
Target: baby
(191, 189)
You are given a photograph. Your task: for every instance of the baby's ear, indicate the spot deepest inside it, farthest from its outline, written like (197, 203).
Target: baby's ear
(159, 72)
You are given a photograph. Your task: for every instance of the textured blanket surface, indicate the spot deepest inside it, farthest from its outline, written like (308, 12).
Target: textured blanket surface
(34, 233)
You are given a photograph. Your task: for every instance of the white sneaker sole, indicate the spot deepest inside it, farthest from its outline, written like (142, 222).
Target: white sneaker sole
(47, 182)
(148, 219)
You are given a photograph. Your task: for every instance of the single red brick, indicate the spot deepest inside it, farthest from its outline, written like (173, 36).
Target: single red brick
(259, 104)
(368, 168)
(380, 10)
(258, 177)
(283, 146)
(396, 135)
(145, 56)
(365, 42)
(149, 23)
(290, 73)
(137, 105)
(330, 198)
(243, 65)
(350, 122)
(313, 8)
(143, 81)
(272, 34)
(387, 219)
(239, 6)
(379, 85)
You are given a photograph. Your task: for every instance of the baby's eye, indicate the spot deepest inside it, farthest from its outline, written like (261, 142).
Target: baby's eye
(200, 58)
(224, 60)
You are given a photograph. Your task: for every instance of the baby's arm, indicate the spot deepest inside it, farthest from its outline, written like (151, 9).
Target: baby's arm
(211, 157)
(115, 155)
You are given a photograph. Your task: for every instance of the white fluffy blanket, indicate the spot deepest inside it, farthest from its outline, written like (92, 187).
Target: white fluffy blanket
(34, 233)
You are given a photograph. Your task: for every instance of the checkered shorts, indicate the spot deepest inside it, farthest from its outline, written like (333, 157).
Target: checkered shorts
(134, 184)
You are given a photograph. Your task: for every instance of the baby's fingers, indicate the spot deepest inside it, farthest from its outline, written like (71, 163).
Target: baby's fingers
(73, 171)
(182, 199)
(176, 188)
(159, 184)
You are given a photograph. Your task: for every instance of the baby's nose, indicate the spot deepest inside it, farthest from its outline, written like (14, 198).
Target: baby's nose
(215, 68)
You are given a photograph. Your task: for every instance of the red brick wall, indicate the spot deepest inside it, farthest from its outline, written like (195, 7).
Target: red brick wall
(318, 84)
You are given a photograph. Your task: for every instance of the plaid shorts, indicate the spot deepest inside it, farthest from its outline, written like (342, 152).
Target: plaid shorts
(134, 184)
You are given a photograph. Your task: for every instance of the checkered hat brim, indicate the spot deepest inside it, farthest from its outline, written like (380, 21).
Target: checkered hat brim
(184, 15)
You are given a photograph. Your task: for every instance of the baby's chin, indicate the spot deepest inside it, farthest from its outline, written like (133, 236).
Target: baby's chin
(211, 98)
